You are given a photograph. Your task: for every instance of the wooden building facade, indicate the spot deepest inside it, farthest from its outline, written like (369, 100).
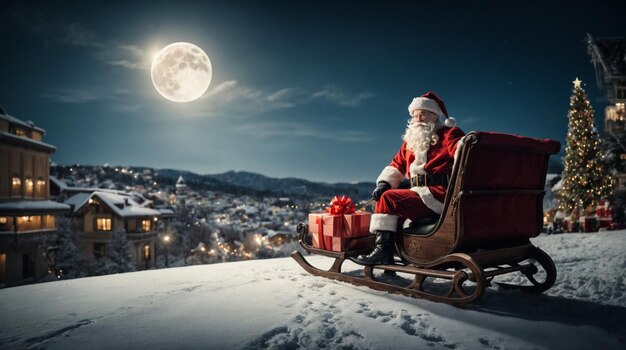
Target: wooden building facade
(27, 216)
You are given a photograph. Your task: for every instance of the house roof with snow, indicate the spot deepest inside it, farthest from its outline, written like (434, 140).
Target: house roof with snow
(10, 135)
(180, 181)
(9, 138)
(121, 205)
(166, 213)
(64, 187)
(32, 207)
(25, 124)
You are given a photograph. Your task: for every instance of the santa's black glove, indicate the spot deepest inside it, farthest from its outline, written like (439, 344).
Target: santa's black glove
(380, 189)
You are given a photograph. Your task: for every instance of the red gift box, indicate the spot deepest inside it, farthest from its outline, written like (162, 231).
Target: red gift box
(588, 223)
(331, 230)
(341, 244)
(357, 224)
(319, 224)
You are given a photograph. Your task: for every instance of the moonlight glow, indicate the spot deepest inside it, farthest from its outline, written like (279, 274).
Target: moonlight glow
(181, 72)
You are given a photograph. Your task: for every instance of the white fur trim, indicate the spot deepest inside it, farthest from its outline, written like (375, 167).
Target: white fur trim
(450, 122)
(391, 175)
(426, 104)
(429, 200)
(383, 222)
(419, 170)
(406, 223)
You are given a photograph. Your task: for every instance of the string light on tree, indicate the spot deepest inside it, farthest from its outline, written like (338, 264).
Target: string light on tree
(585, 178)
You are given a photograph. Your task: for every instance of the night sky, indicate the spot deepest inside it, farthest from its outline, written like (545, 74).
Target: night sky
(311, 89)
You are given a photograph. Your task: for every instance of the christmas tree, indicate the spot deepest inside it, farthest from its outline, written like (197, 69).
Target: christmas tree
(585, 178)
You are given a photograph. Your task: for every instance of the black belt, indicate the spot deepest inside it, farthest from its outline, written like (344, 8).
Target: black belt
(429, 180)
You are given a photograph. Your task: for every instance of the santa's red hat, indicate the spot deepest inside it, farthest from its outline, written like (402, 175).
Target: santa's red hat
(431, 102)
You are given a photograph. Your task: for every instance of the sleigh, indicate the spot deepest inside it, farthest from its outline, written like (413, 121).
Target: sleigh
(493, 206)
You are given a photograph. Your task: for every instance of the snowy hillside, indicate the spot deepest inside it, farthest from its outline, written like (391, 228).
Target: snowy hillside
(275, 304)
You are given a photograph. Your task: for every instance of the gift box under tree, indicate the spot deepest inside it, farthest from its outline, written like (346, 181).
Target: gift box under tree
(604, 211)
(341, 227)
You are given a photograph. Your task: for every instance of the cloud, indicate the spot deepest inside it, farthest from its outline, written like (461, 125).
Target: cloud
(124, 55)
(119, 100)
(469, 120)
(53, 30)
(264, 129)
(333, 94)
(232, 97)
(73, 96)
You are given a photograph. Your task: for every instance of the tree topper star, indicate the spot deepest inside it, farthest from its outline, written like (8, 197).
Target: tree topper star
(577, 82)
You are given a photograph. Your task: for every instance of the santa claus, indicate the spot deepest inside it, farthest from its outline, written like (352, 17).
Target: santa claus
(425, 158)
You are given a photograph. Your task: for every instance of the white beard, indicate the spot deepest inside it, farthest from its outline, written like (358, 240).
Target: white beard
(419, 137)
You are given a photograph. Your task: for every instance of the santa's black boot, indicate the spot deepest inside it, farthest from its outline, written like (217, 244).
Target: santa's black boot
(382, 253)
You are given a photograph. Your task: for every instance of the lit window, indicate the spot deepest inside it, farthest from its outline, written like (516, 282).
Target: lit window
(16, 188)
(4, 224)
(145, 225)
(146, 252)
(41, 187)
(103, 224)
(29, 186)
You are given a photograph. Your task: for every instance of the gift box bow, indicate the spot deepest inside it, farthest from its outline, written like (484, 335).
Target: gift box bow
(341, 206)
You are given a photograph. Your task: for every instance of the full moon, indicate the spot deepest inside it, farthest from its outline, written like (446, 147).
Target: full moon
(181, 72)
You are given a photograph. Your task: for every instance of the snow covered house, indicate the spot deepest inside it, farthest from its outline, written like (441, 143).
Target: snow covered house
(27, 215)
(96, 215)
(608, 56)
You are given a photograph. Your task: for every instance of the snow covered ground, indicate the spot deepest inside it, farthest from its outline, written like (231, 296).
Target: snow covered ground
(275, 304)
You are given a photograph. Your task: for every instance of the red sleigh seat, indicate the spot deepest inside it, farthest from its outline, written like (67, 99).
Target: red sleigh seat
(494, 199)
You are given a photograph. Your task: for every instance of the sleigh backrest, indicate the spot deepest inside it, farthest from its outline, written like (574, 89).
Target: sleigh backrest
(498, 188)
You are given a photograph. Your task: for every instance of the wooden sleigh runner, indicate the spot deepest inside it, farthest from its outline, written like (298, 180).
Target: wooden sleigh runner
(493, 206)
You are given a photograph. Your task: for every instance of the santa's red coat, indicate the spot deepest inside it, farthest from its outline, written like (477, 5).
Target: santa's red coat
(439, 159)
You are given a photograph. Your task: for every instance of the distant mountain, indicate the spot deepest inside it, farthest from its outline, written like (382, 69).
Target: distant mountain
(235, 182)
(260, 184)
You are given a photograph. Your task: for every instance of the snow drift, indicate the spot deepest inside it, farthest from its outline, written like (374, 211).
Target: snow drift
(275, 304)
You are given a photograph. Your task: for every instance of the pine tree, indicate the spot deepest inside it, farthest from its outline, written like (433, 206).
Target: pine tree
(117, 258)
(585, 177)
(70, 261)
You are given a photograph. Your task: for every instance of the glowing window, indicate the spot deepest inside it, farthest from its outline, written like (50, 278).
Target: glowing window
(146, 251)
(16, 186)
(4, 223)
(103, 224)
(41, 187)
(145, 225)
(29, 186)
